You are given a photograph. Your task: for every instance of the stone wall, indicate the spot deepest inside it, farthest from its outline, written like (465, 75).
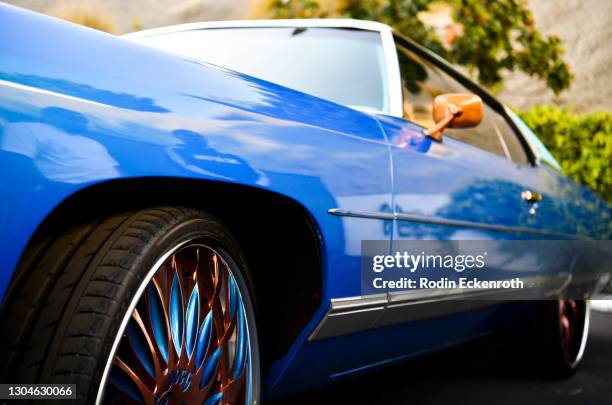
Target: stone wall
(127, 15)
(585, 27)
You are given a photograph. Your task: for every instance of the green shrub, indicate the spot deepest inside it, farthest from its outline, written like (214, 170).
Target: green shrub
(581, 143)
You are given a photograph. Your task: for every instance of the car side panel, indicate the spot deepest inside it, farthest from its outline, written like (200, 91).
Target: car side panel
(79, 107)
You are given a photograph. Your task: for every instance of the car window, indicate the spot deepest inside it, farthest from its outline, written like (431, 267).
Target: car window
(536, 145)
(342, 65)
(511, 143)
(422, 82)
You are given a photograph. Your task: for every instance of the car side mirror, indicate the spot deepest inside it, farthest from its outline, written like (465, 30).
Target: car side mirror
(454, 110)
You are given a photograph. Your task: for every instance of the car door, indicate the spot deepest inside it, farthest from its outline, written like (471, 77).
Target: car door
(470, 186)
(570, 208)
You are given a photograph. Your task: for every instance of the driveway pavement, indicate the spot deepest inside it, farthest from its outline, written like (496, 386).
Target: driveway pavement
(476, 374)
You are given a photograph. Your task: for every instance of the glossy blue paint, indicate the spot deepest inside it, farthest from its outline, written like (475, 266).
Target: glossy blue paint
(141, 348)
(79, 107)
(176, 313)
(204, 337)
(117, 110)
(191, 320)
(158, 322)
(111, 118)
(341, 357)
(209, 367)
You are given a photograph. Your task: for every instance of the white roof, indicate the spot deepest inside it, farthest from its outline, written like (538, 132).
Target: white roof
(299, 23)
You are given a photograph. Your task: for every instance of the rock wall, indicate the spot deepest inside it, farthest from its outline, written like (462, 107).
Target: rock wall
(585, 26)
(129, 15)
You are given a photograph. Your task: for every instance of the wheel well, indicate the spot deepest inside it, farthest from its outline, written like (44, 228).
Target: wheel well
(278, 252)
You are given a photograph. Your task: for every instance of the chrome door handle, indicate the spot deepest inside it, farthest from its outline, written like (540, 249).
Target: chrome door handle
(532, 198)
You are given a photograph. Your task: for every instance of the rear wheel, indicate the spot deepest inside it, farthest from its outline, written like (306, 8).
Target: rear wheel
(148, 307)
(574, 324)
(559, 337)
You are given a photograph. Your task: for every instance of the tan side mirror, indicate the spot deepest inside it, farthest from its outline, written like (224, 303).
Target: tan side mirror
(454, 110)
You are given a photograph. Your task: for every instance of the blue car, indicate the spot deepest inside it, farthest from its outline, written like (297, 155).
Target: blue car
(182, 209)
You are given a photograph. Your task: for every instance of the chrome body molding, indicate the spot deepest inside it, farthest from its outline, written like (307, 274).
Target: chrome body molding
(427, 219)
(356, 314)
(349, 315)
(362, 214)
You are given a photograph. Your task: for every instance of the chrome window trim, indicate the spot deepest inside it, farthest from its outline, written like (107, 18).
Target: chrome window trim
(281, 23)
(533, 149)
(394, 89)
(394, 79)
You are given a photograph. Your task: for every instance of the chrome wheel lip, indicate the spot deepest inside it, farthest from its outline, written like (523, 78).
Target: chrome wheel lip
(584, 316)
(585, 334)
(252, 393)
(128, 315)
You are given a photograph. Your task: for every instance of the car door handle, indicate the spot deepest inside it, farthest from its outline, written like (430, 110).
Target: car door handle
(532, 198)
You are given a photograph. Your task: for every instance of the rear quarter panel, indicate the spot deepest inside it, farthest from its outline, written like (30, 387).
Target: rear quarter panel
(79, 107)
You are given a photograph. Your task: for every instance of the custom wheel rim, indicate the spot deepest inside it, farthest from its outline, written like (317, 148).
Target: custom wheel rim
(186, 340)
(573, 324)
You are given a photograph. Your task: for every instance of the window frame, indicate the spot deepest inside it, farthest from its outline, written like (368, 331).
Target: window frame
(402, 41)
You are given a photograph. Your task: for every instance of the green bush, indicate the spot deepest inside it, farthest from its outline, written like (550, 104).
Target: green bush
(581, 143)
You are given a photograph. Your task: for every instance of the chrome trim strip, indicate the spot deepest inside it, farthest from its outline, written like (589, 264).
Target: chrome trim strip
(361, 213)
(356, 314)
(394, 78)
(352, 303)
(426, 219)
(349, 315)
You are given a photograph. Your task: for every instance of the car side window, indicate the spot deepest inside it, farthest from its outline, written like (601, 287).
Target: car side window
(512, 144)
(422, 82)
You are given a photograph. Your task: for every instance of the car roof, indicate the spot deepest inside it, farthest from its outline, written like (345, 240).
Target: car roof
(298, 23)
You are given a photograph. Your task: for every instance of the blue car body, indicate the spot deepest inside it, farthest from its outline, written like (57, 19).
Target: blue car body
(79, 108)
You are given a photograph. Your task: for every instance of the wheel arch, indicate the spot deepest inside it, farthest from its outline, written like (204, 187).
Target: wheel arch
(295, 242)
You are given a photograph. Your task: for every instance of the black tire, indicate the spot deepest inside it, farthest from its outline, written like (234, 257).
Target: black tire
(548, 353)
(75, 290)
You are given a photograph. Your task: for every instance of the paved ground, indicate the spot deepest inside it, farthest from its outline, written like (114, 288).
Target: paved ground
(474, 374)
(603, 305)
